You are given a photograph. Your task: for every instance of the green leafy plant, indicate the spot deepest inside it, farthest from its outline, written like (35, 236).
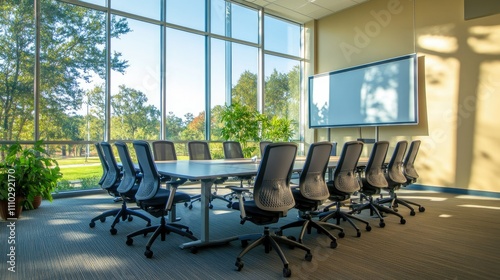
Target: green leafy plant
(31, 169)
(277, 129)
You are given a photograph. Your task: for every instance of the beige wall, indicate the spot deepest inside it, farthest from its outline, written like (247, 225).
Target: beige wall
(459, 94)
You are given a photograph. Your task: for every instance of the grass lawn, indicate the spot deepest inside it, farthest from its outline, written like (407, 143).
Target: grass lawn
(79, 172)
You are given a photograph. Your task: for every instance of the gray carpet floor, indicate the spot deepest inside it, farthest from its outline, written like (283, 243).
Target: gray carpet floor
(457, 237)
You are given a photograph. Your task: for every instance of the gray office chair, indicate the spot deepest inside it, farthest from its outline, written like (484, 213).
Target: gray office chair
(233, 150)
(396, 181)
(199, 150)
(273, 198)
(104, 165)
(128, 187)
(163, 150)
(262, 147)
(156, 200)
(374, 180)
(344, 184)
(110, 183)
(311, 193)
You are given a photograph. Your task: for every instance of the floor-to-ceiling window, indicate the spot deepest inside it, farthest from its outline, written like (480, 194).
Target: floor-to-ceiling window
(126, 69)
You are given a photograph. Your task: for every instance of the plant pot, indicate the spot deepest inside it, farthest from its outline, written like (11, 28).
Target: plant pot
(37, 201)
(4, 209)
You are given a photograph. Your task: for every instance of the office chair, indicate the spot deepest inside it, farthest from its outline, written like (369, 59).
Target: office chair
(374, 180)
(262, 147)
(199, 150)
(128, 186)
(233, 150)
(163, 150)
(344, 184)
(396, 181)
(156, 200)
(272, 200)
(104, 165)
(312, 192)
(110, 183)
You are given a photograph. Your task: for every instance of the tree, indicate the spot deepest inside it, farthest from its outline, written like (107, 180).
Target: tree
(72, 50)
(245, 91)
(132, 117)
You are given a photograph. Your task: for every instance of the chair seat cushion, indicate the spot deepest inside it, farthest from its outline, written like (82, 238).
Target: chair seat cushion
(257, 216)
(304, 204)
(368, 189)
(159, 201)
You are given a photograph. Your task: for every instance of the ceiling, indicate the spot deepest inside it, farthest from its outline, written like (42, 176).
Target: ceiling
(305, 10)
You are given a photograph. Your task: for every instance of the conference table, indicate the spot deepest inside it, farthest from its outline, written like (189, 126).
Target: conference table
(207, 171)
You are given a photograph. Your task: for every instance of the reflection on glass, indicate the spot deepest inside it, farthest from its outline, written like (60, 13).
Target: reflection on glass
(234, 21)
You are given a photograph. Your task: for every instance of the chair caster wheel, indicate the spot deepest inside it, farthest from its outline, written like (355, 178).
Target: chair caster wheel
(308, 257)
(368, 228)
(129, 241)
(92, 225)
(402, 221)
(113, 231)
(130, 218)
(102, 220)
(229, 205)
(190, 207)
(421, 209)
(148, 253)
(210, 206)
(412, 213)
(358, 233)
(287, 272)
(194, 250)
(185, 204)
(239, 265)
(381, 224)
(341, 234)
(333, 244)
(244, 243)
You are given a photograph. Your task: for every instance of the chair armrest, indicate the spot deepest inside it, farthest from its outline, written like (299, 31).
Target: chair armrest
(239, 190)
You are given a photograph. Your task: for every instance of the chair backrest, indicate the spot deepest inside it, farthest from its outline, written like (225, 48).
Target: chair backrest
(104, 164)
(150, 182)
(114, 174)
(345, 178)
(312, 183)
(395, 174)
(129, 178)
(232, 149)
(164, 150)
(262, 147)
(198, 150)
(272, 183)
(375, 170)
(409, 169)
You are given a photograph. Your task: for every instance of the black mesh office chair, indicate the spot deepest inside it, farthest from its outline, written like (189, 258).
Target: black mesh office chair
(156, 200)
(312, 192)
(199, 150)
(110, 182)
(163, 150)
(374, 180)
(128, 186)
(233, 150)
(344, 184)
(396, 181)
(272, 200)
(104, 165)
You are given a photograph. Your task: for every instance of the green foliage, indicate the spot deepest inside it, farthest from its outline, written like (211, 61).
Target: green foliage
(277, 129)
(32, 170)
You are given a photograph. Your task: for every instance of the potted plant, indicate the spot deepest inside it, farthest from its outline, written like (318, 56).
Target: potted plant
(28, 172)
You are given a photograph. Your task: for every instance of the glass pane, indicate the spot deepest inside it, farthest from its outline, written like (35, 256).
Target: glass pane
(244, 71)
(185, 86)
(218, 74)
(135, 87)
(146, 8)
(188, 13)
(282, 89)
(281, 36)
(16, 102)
(235, 21)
